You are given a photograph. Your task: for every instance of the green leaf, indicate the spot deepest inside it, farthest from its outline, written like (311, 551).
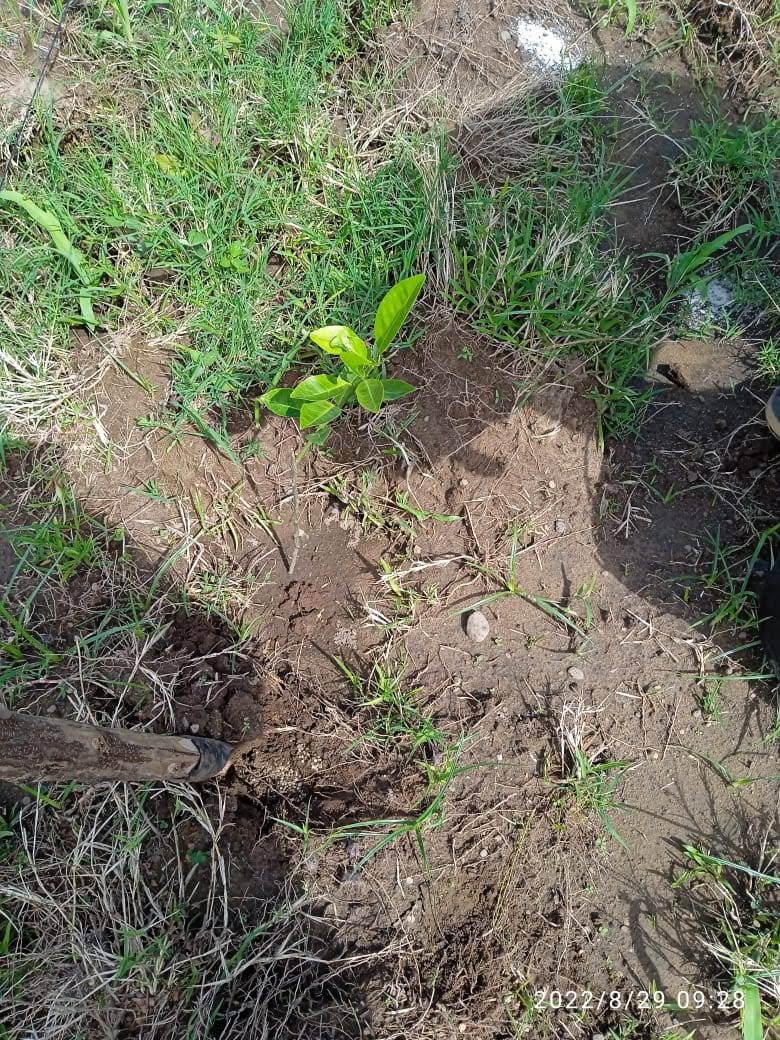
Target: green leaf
(394, 309)
(370, 394)
(631, 13)
(318, 413)
(167, 163)
(685, 265)
(318, 386)
(49, 222)
(752, 1020)
(355, 363)
(395, 388)
(339, 339)
(281, 402)
(319, 435)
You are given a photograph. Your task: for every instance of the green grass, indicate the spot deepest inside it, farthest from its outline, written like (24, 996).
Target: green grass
(217, 167)
(534, 263)
(736, 913)
(390, 713)
(726, 173)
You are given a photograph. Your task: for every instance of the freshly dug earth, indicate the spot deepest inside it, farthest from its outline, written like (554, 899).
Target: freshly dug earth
(520, 888)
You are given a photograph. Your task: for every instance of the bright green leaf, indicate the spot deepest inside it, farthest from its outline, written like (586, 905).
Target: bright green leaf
(370, 394)
(395, 388)
(281, 402)
(752, 1019)
(631, 13)
(355, 363)
(166, 162)
(394, 309)
(318, 386)
(318, 413)
(338, 339)
(49, 222)
(687, 264)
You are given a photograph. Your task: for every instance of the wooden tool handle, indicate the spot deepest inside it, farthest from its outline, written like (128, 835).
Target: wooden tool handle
(43, 748)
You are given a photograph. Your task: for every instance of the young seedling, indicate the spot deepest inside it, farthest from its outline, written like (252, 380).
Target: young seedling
(318, 400)
(509, 586)
(588, 776)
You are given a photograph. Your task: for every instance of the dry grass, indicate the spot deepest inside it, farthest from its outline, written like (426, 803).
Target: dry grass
(115, 909)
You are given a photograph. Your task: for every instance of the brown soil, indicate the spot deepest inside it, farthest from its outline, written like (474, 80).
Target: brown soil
(519, 887)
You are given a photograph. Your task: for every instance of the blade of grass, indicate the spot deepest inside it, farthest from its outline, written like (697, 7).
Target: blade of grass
(51, 225)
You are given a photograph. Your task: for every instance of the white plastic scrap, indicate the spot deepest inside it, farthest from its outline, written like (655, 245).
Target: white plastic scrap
(546, 48)
(710, 303)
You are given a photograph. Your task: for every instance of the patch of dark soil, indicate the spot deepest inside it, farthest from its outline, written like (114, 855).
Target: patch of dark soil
(704, 480)
(741, 40)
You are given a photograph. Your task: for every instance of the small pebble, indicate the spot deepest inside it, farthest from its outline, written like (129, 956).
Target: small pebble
(560, 526)
(697, 713)
(505, 35)
(462, 1027)
(483, 853)
(463, 482)
(477, 627)
(552, 485)
(575, 674)
(194, 728)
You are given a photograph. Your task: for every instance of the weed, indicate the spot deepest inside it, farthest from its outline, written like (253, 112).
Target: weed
(727, 172)
(392, 712)
(584, 595)
(440, 777)
(151, 489)
(729, 581)
(62, 244)
(737, 916)
(711, 700)
(686, 270)
(768, 359)
(509, 586)
(590, 778)
(317, 401)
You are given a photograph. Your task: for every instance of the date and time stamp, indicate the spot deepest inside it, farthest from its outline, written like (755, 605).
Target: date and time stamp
(638, 1000)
